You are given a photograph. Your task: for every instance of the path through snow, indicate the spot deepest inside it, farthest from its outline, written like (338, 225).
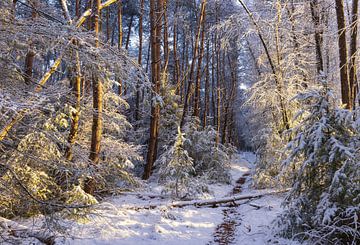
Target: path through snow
(115, 223)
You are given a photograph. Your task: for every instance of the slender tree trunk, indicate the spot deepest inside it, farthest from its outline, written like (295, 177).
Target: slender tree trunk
(76, 115)
(120, 37)
(137, 109)
(345, 86)
(166, 38)
(195, 53)
(176, 59)
(314, 6)
(29, 63)
(129, 32)
(35, 4)
(198, 74)
(108, 29)
(97, 100)
(229, 102)
(90, 5)
(213, 84)
(283, 108)
(353, 49)
(65, 11)
(207, 86)
(78, 8)
(156, 8)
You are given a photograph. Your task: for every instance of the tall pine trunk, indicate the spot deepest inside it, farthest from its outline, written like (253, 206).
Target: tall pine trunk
(353, 49)
(344, 76)
(156, 8)
(97, 99)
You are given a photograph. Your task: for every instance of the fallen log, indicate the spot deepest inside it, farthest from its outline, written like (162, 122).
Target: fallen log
(209, 202)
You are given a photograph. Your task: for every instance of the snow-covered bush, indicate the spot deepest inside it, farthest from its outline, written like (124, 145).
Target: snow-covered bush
(210, 159)
(176, 169)
(193, 162)
(323, 204)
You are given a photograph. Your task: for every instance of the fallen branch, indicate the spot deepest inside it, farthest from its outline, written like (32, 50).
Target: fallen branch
(210, 202)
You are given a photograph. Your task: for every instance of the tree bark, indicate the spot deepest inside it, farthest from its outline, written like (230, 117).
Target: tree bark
(199, 73)
(137, 109)
(353, 48)
(195, 54)
(315, 13)
(65, 9)
(156, 8)
(207, 85)
(120, 37)
(29, 63)
(129, 32)
(76, 115)
(97, 100)
(78, 8)
(345, 86)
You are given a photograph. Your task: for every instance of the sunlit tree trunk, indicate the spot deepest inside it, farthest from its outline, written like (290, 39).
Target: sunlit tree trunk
(97, 99)
(156, 8)
(120, 35)
(76, 114)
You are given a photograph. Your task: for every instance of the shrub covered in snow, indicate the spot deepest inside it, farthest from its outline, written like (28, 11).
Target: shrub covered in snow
(194, 161)
(323, 204)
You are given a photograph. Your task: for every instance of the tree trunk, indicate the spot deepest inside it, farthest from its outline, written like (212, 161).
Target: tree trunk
(120, 37)
(198, 74)
(207, 86)
(76, 115)
(315, 13)
(195, 54)
(97, 100)
(78, 8)
(108, 29)
(353, 48)
(137, 109)
(176, 59)
(129, 32)
(166, 37)
(29, 63)
(156, 8)
(65, 9)
(345, 88)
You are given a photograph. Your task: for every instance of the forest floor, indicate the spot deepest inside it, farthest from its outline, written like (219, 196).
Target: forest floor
(120, 220)
(117, 222)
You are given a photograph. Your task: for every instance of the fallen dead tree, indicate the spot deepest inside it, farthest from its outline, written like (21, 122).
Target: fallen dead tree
(209, 202)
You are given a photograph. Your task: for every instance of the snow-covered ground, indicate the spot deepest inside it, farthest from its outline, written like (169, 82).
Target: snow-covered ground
(117, 222)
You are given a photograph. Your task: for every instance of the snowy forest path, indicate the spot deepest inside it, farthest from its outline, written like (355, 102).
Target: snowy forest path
(118, 222)
(225, 232)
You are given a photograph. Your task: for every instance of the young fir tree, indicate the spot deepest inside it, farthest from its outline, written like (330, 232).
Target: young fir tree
(323, 204)
(177, 168)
